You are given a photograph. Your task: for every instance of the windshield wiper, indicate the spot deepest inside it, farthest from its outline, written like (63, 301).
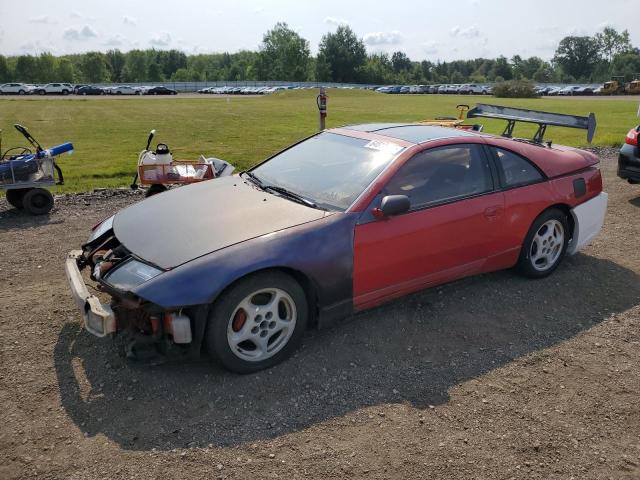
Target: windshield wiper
(292, 195)
(281, 190)
(254, 179)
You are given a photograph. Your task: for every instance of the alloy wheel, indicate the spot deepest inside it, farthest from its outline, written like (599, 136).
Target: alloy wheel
(547, 244)
(262, 324)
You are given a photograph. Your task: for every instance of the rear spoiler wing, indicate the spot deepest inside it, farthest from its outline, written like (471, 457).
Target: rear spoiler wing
(542, 119)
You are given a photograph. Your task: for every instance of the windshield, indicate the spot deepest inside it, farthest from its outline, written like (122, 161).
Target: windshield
(329, 169)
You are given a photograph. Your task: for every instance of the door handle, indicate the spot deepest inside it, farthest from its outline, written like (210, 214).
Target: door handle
(493, 212)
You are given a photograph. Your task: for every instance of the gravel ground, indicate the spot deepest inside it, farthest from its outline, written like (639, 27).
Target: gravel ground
(492, 377)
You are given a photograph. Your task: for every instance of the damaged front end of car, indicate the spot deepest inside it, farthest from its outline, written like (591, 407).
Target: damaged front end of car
(117, 272)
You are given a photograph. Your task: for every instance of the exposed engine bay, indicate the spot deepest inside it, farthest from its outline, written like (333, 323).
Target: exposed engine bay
(142, 328)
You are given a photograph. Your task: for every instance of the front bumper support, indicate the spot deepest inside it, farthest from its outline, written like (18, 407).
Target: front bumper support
(98, 317)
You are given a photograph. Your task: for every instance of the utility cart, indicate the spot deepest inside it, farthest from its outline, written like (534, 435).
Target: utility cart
(158, 169)
(25, 172)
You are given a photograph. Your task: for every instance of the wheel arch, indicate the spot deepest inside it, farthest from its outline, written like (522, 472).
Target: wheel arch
(566, 209)
(308, 285)
(563, 207)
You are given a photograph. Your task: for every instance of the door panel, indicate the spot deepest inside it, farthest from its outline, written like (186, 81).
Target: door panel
(398, 255)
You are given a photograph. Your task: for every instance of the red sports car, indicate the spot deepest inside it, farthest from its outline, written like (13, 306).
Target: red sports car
(345, 220)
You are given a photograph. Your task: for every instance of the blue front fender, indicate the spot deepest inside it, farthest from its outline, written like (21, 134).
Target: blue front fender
(322, 250)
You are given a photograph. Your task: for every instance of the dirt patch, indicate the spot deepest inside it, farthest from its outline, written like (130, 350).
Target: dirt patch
(491, 377)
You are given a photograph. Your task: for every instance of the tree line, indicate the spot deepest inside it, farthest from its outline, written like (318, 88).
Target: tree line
(284, 55)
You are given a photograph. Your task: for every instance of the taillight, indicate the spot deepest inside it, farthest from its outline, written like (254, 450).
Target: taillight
(632, 137)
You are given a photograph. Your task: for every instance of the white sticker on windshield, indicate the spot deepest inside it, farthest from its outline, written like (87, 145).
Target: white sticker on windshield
(383, 146)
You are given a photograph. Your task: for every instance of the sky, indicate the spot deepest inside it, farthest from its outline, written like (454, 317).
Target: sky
(432, 30)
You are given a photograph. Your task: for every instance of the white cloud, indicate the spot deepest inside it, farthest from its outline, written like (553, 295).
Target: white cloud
(73, 34)
(336, 21)
(87, 32)
(383, 38)
(77, 15)
(431, 48)
(36, 47)
(161, 40)
(129, 21)
(40, 19)
(577, 32)
(115, 41)
(469, 32)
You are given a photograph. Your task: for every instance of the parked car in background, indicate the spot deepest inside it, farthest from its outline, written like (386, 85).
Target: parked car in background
(584, 90)
(16, 89)
(568, 91)
(89, 90)
(125, 90)
(473, 89)
(78, 87)
(553, 91)
(480, 89)
(160, 90)
(629, 157)
(54, 89)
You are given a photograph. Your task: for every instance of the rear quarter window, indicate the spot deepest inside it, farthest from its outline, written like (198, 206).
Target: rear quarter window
(515, 170)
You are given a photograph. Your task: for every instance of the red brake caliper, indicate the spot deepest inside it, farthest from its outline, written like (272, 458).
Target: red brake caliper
(238, 320)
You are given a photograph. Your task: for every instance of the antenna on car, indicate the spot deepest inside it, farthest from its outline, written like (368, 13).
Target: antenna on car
(542, 119)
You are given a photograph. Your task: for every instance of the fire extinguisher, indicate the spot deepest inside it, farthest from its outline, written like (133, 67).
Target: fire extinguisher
(321, 100)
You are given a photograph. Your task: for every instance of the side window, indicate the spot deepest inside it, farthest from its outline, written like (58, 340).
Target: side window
(442, 174)
(515, 170)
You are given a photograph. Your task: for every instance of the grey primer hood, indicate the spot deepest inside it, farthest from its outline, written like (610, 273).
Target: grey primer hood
(177, 226)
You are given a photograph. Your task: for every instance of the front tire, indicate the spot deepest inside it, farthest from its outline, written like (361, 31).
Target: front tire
(545, 244)
(258, 322)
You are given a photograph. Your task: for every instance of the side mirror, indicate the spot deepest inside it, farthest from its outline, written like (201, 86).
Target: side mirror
(393, 205)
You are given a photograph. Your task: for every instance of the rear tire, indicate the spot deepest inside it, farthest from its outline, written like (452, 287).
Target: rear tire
(38, 201)
(15, 197)
(545, 245)
(258, 322)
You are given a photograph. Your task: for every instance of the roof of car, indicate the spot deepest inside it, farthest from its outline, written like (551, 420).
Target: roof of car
(410, 132)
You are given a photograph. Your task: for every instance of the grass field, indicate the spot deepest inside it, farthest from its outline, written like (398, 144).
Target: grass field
(108, 133)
